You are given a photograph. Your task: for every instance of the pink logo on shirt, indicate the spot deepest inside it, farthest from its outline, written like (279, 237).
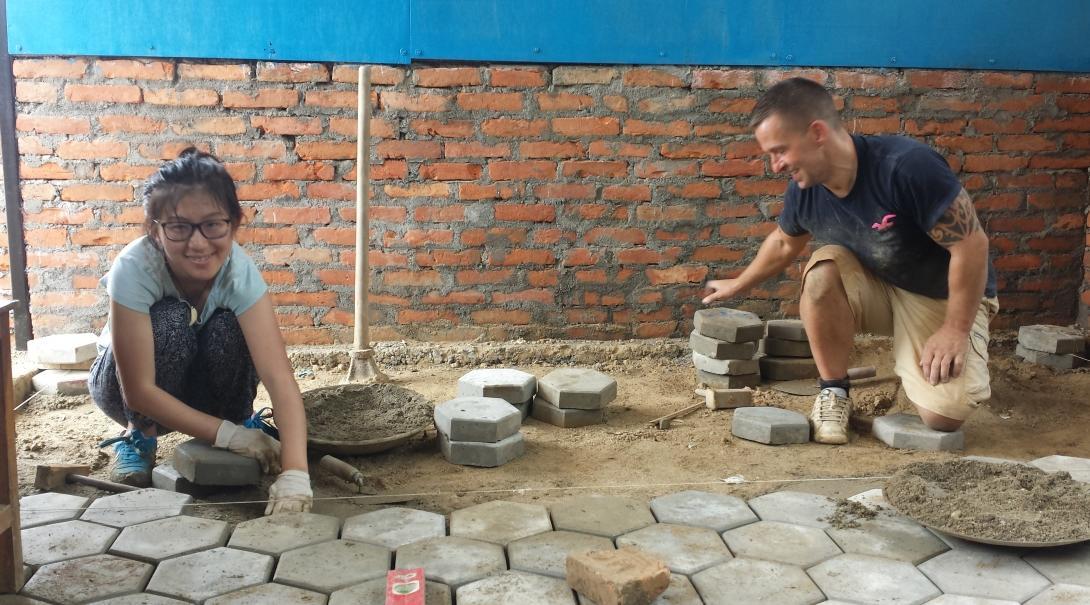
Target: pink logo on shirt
(887, 222)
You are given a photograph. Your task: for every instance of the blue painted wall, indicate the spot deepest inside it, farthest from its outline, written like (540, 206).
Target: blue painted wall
(981, 34)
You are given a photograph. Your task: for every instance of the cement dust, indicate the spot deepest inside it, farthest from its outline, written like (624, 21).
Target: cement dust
(1034, 412)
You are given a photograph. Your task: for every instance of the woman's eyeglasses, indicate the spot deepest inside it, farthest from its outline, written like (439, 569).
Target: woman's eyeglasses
(181, 231)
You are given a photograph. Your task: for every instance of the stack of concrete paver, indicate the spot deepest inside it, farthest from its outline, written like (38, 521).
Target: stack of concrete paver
(786, 351)
(513, 386)
(198, 469)
(1054, 346)
(724, 346)
(573, 397)
(479, 431)
(64, 360)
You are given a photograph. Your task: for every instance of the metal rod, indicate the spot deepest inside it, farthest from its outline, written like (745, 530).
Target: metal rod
(360, 338)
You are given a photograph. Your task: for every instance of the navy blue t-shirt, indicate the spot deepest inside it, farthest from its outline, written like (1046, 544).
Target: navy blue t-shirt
(901, 189)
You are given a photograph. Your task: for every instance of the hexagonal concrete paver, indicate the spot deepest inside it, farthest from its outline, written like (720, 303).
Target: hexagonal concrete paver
(949, 599)
(332, 565)
(513, 386)
(210, 573)
(516, 587)
(577, 388)
(187, 534)
(891, 538)
(65, 540)
(394, 527)
(679, 592)
(980, 572)
(769, 425)
(703, 509)
(907, 431)
(87, 579)
(451, 560)
(873, 499)
(608, 516)
(1078, 468)
(756, 582)
(282, 532)
(130, 508)
(782, 542)
(547, 553)
(1063, 565)
(477, 419)
(1061, 594)
(263, 594)
(49, 507)
(374, 591)
(500, 522)
(730, 325)
(683, 548)
(799, 508)
(143, 598)
(873, 580)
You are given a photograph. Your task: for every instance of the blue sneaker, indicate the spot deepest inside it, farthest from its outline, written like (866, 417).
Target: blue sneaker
(134, 456)
(260, 420)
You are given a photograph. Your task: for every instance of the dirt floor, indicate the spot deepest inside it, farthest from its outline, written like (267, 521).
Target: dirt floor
(1034, 412)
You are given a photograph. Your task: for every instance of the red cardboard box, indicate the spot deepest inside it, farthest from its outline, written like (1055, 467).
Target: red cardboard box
(405, 586)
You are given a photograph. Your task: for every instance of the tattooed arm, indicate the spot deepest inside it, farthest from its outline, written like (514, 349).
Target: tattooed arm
(959, 231)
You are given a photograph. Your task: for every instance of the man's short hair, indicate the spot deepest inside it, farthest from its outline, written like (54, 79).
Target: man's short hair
(798, 102)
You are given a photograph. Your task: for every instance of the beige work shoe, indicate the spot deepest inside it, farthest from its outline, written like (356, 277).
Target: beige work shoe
(829, 418)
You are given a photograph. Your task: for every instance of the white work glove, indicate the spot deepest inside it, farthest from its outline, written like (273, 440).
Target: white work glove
(290, 493)
(252, 443)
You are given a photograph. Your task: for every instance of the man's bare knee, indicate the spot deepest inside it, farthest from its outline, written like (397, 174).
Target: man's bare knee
(938, 422)
(822, 281)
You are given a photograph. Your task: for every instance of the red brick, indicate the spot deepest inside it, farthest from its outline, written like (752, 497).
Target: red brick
(346, 127)
(552, 236)
(383, 75)
(215, 126)
(964, 143)
(1053, 199)
(136, 69)
(49, 68)
(580, 257)
(1025, 142)
(94, 192)
(627, 193)
(690, 150)
(699, 189)
(723, 78)
(1071, 180)
(666, 104)
(295, 216)
(46, 171)
(1063, 83)
(1021, 104)
(271, 150)
(38, 191)
(564, 191)
(513, 127)
(651, 77)
(474, 191)
(1071, 104)
(462, 129)
(286, 126)
(302, 171)
(545, 278)
(931, 104)
(292, 72)
(52, 125)
(409, 149)
(500, 316)
(592, 276)
(336, 236)
(201, 71)
(1055, 244)
(267, 191)
(337, 99)
(890, 125)
(563, 101)
(774, 76)
(988, 126)
(476, 277)
(92, 150)
(502, 170)
(1031, 180)
(639, 256)
(1054, 162)
(537, 295)
(413, 102)
(592, 168)
(263, 98)
(521, 256)
(864, 80)
(551, 149)
(286, 255)
(194, 97)
(473, 149)
(664, 214)
(516, 78)
(610, 149)
(993, 162)
(996, 79)
(416, 238)
(717, 254)
(732, 168)
(677, 275)
(936, 78)
(388, 170)
(1005, 201)
(575, 75)
(130, 124)
(665, 169)
(441, 214)
(83, 260)
(861, 103)
(1079, 124)
(746, 187)
(103, 237)
(745, 149)
(586, 126)
(1017, 262)
(677, 128)
(719, 129)
(615, 103)
(47, 238)
(446, 77)
(542, 213)
(35, 92)
(441, 190)
(66, 299)
(325, 150)
(448, 258)
(1015, 225)
(741, 105)
(447, 171)
(730, 210)
(616, 235)
(490, 101)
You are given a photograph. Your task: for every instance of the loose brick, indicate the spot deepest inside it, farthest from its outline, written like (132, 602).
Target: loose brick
(626, 576)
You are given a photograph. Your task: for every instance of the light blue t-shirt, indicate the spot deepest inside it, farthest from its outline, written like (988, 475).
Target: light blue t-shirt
(139, 278)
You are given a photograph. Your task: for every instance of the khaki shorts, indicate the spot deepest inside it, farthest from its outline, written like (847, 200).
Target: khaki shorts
(911, 319)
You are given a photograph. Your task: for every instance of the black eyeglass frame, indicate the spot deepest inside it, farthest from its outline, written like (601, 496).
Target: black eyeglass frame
(193, 227)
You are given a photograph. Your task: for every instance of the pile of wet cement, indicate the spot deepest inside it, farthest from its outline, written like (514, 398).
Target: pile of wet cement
(1001, 502)
(355, 412)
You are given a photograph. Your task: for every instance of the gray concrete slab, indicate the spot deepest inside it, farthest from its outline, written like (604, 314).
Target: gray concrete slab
(516, 588)
(524, 407)
(374, 593)
(717, 381)
(772, 426)
(1062, 565)
(203, 464)
(209, 573)
(14, 599)
(165, 476)
(907, 431)
(477, 419)
(1061, 594)
(608, 516)
(473, 453)
(786, 329)
(451, 560)
(61, 382)
(948, 599)
(725, 367)
(782, 542)
(333, 565)
(49, 507)
(778, 347)
(264, 594)
(756, 582)
(721, 349)
(703, 509)
(65, 540)
(869, 579)
(1078, 468)
(131, 508)
(1052, 360)
(577, 388)
(679, 592)
(1052, 339)
(148, 541)
(787, 368)
(800, 508)
(546, 553)
(990, 573)
(394, 527)
(142, 598)
(500, 522)
(873, 499)
(730, 325)
(683, 548)
(63, 348)
(279, 533)
(565, 418)
(87, 579)
(892, 538)
(513, 386)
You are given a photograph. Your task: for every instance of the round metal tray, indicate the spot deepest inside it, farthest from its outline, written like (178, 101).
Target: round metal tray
(360, 446)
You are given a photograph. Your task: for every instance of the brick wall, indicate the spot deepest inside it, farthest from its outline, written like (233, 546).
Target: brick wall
(507, 201)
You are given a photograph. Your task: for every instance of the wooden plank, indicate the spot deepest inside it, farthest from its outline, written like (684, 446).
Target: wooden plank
(11, 552)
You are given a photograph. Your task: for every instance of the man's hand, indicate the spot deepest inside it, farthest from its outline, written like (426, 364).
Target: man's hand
(252, 443)
(721, 289)
(290, 493)
(943, 355)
